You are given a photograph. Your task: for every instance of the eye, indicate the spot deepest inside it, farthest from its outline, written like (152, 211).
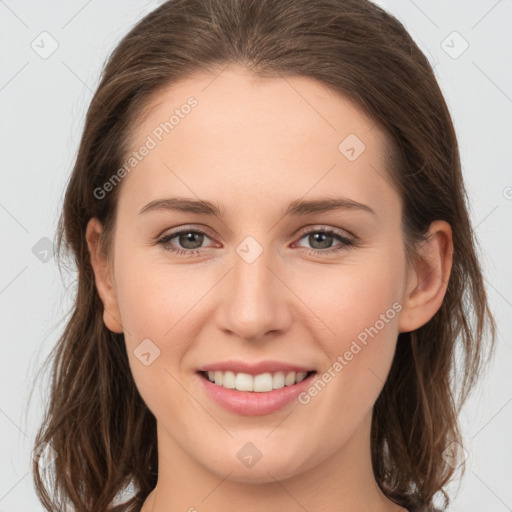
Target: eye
(190, 239)
(321, 240)
(189, 242)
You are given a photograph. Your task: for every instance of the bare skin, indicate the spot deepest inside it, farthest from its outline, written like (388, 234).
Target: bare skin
(253, 146)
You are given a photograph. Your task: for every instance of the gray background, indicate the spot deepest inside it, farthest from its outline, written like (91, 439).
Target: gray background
(43, 102)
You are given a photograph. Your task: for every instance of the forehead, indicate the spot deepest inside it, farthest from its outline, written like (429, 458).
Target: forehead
(234, 135)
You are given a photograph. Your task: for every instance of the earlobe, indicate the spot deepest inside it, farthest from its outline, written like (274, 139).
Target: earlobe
(103, 277)
(428, 281)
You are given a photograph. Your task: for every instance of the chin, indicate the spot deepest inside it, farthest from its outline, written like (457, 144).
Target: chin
(267, 469)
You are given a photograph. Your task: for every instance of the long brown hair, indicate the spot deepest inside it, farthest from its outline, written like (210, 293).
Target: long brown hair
(99, 428)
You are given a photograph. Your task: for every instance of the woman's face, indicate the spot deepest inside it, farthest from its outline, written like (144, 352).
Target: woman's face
(261, 283)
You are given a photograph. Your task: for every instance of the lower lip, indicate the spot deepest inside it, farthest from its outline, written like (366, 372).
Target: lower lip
(250, 403)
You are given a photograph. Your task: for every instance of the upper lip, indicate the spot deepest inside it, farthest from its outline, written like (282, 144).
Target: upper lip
(254, 368)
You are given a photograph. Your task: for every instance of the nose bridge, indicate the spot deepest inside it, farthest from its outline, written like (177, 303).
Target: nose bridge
(255, 302)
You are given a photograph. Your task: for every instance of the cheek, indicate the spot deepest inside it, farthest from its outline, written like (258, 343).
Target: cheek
(155, 299)
(155, 305)
(156, 313)
(358, 308)
(348, 299)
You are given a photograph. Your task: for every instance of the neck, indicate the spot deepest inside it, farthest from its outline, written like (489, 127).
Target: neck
(343, 481)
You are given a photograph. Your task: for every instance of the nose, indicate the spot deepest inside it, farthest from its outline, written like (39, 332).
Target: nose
(255, 299)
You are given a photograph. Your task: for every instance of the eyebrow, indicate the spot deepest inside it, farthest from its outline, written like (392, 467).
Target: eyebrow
(295, 208)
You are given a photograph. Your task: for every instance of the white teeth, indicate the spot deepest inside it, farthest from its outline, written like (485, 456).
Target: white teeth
(278, 380)
(289, 379)
(263, 382)
(300, 376)
(229, 380)
(257, 383)
(243, 382)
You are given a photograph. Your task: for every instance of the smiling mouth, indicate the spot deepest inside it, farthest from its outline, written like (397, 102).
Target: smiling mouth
(261, 383)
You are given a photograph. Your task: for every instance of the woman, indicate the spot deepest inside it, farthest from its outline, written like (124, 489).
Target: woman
(275, 270)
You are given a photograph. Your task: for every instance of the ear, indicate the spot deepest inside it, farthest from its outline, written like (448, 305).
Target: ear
(103, 277)
(428, 281)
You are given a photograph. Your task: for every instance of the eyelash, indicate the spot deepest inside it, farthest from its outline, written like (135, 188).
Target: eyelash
(345, 244)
